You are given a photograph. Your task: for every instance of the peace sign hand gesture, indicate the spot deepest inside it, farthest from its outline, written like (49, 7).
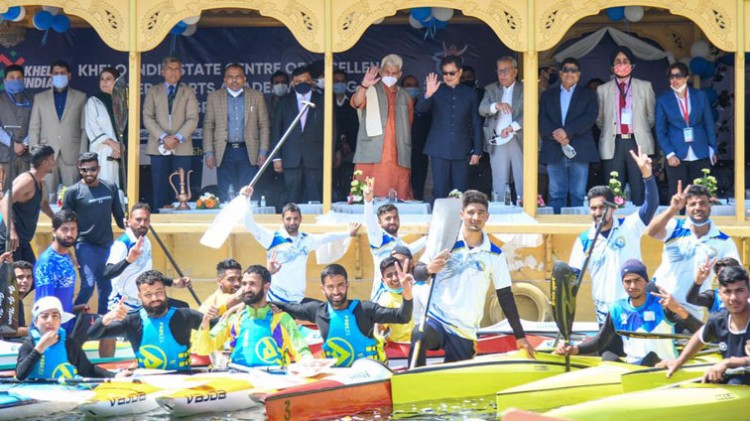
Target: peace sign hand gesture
(704, 270)
(369, 189)
(678, 200)
(667, 300)
(405, 278)
(643, 162)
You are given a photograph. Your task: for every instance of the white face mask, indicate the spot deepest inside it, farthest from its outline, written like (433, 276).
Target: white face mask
(321, 83)
(280, 89)
(389, 80)
(234, 93)
(681, 89)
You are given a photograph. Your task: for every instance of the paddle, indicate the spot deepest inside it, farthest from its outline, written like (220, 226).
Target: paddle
(650, 335)
(8, 283)
(222, 225)
(174, 263)
(446, 218)
(120, 115)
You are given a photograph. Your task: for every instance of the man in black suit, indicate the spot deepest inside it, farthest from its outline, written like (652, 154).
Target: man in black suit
(456, 130)
(566, 116)
(301, 158)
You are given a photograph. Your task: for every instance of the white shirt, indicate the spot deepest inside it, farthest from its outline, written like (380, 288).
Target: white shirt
(381, 245)
(300, 104)
(461, 287)
(504, 120)
(623, 243)
(124, 284)
(683, 253)
(289, 283)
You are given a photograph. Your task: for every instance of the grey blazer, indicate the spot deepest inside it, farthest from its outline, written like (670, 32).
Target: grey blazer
(183, 120)
(494, 93)
(644, 102)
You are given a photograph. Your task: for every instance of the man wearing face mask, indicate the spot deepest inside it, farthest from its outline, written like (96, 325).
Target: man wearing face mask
(57, 119)
(279, 88)
(384, 138)
(626, 116)
(347, 123)
(301, 159)
(15, 110)
(235, 131)
(420, 128)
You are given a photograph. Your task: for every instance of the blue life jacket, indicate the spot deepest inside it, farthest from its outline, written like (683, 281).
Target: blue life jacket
(159, 349)
(345, 342)
(718, 303)
(256, 345)
(54, 362)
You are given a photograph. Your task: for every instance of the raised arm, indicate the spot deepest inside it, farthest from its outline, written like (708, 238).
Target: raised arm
(657, 229)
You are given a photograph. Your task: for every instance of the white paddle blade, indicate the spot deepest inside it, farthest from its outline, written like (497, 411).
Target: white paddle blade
(221, 227)
(444, 226)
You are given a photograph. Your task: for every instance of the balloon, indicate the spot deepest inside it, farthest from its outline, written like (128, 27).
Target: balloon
(192, 20)
(20, 15)
(60, 23)
(178, 29)
(415, 23)
(700, 49)
(442, 13)
(13, 13)
(702, 67)
(616, 14)
(422, 14)
(52, 9)
(379, 21)
(190, 30)
(634, 13)
(438, 24)
(43, 20)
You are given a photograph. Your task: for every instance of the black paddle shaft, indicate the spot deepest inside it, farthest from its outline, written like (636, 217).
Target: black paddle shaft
(173, 262)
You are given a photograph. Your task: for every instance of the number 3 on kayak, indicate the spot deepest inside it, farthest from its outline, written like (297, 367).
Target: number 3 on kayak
(287, 410)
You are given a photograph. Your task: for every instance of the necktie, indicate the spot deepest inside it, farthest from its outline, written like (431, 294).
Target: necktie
(170, 97)
(624, 129)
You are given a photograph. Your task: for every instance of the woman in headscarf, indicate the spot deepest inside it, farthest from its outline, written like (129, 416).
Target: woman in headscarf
(101, 128)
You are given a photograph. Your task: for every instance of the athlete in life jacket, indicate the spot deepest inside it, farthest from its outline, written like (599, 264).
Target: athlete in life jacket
(159, 334)
(347, 326)
(47, 353)
(256, 335)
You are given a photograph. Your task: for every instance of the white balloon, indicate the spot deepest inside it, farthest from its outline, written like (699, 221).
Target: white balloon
(52, 9)
(442, 13)
(700, 49)
(20, 15)
(415, 23)
(192, 20)
(379, 21)
(190, 30)
(634, 13)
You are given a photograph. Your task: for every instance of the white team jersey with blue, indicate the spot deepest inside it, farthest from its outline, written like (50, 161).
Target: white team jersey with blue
(461, 287)
(648, 318)
(623, 243)
(683, 253)
(124, 284)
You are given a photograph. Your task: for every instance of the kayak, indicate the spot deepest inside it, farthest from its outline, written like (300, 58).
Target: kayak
(482, 376)
(38, 400)
(123, 353)
(221, 392)
(363, 386)
(685, 401)
(120, 398)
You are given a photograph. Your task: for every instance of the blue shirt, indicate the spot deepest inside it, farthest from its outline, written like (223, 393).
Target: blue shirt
(60, 98)
(235, 117)
(55, 275)
(565, 97)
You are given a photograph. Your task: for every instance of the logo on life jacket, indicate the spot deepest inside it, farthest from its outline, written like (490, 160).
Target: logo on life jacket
(267, 351)
(153, 357)
(64, 371)
(341, 350)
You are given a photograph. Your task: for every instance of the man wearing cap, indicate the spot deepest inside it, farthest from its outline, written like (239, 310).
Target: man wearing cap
(626, 116)
(48, 353)
(648, 309)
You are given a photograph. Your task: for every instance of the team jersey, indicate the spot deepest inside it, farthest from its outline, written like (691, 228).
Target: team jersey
(289, 283)
(55, 275)
(219, 300)
(381, 245)
(399, 332)
(124, 284)
(718, 329)
(650, 318)
(460, 289)
(683, 253)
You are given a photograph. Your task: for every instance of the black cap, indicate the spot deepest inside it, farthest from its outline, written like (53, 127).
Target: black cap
(621, 49)
(401, 250)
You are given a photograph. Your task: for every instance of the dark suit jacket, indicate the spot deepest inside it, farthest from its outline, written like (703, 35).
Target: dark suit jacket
(456, 129)
(302, 146)
(670, 124)
(582, 113)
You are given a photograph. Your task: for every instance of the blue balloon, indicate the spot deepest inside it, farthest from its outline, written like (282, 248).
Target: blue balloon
(43, 20)
(702, 67)
(12, 13)
(60, 23)
(179, 28)
(616, 14)
(422, 14)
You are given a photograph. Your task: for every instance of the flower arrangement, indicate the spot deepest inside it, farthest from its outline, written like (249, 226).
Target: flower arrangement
(455, 193)
(708, 181)
(356, 192)
(207, 201)
(61, 196)
(616, 187)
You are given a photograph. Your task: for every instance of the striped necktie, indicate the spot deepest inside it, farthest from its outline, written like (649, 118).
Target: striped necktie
(171, 92)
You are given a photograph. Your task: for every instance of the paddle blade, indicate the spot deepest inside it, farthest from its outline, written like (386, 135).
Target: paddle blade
(221, 227)
(563, 297)
(8, 300)
(444, 226)
(120, 103)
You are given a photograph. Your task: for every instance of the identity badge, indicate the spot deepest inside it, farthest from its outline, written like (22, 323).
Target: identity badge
(688, 133)
(626, 117)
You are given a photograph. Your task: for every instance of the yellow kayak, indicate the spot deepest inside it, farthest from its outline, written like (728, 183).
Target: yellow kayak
(218, 394)
(120, 398)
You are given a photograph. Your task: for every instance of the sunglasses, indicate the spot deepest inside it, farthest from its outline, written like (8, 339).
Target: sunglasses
(454, 73)
(504, 71)
(676, 76)
(569, 70)
(88, 169)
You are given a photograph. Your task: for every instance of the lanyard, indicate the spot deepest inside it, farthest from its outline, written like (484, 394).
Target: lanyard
(684, 109)
(25, 104)
(623, 93)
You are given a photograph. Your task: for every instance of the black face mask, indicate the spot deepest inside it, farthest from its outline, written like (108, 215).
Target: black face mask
(302, 88)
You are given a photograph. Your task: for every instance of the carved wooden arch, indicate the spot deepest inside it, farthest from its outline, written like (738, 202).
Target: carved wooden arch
(351, 18)
(716, 18)
(109, 18)
(304, 18)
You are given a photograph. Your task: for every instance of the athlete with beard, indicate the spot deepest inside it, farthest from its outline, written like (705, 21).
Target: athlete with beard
(257, 336)
(158, 333)
(348, 326)
(54, 272)
(688, 243)
(291, 248)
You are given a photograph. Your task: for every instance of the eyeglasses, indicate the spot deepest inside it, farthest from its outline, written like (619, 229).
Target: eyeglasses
(88, 169)
(504, 71)
(454, 73)
(569, 70)
(676, 76)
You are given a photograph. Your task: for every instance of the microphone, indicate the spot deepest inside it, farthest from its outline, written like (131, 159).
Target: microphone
(609, 204)
(310, 104)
